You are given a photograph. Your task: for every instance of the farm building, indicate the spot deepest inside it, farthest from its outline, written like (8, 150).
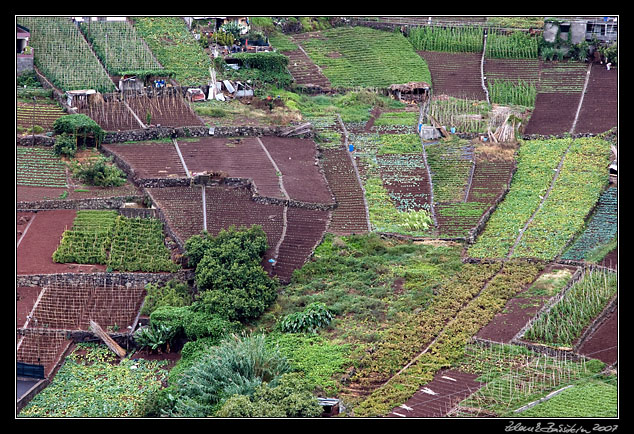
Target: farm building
(24, 60)
(579, 30)
(216, 22)
(411, 92)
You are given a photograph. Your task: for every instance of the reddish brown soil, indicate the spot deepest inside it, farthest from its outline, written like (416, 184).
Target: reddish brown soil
(33, 194)
(449, 387)
(182, 207)
(349, 216)
(167, 111)
(600, 109)
(25, 299)
(112, 116)
(297, 161)
(516, 314)
(554, 113)
(233, 157)
(526, 70)
(34, 255)
(455, 74)
(305, 228)
(603, 343)
(150, 159)
(611, 260)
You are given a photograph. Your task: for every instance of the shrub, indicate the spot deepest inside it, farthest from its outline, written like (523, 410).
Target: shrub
(174, 293)
(99, 172)
(156, 337)
(290, 398)
(238, 366)
(80, 125)
(312, 318)
(65, 144)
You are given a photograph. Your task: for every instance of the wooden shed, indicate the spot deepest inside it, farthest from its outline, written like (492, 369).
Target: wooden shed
(412, 92)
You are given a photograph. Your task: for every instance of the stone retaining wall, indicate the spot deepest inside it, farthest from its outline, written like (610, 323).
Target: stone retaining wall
(100, 279)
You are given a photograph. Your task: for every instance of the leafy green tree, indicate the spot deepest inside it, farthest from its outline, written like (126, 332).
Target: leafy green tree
(229, 273)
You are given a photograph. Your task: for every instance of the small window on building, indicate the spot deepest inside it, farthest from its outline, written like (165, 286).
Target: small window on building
(564, 28)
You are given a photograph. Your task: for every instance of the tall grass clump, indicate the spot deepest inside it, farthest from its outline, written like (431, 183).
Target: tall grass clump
(517, 45)
(507, 92)
(467, 39)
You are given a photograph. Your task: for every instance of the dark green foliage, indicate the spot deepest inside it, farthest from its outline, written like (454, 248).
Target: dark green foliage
(312, 318)
(65, 144)
(290, 398)
(174, 293)
(229, 273)
(192, 322)
(99, 172)
(238, 366)
(156, 337)
(266, 61)
(79, 124)
(28, 79)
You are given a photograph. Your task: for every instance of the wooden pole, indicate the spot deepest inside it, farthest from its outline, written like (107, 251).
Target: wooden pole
(96, 329)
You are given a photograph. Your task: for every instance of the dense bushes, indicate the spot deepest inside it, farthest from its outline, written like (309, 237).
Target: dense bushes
(238, 366)
(229, 273)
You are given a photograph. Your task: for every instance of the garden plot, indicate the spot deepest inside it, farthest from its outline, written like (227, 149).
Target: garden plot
(38, 166)
(228, 206)
(62, 307)
(305, 229)
(41, 114)
(182, 208)
(556, 184)
(558, 95)
(600, 108)
(165, 109)
(149, 160)
(62, 54)
(515, 70)
(353, 57)
(350, 214)
(516, 379)
(120, 243)
(119, 47)
(298, 163)
(562, 325)
(602, 344)
(303, 70)
(111, 114)
(438, 397)
(34, 255)
(455, 74)
(399, 158)
(234, 158)
(519, 310)
(601, 229)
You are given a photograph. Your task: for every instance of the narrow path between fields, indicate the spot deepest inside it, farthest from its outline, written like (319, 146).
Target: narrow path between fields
(280, 178)
(180, 155)
(541, 203)
(26, 229)
(583, 93)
